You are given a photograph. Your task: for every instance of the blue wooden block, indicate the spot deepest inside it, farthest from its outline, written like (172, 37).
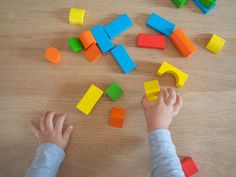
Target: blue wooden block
(203, 8)
(104, 42)
(118, 26)
(160, 24)
(123, 58)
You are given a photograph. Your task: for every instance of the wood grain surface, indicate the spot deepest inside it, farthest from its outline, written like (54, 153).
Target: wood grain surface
(205, 129)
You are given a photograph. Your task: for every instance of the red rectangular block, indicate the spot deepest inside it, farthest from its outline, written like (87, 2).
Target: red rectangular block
(155, 41)
(189, 166)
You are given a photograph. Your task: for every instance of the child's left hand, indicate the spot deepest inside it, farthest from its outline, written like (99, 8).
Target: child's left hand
(48, 133)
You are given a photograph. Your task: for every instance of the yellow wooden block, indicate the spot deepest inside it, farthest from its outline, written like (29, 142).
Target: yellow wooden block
(76, 16)
(179, 75)
(152, 90)
(89, 100)
(215, 44)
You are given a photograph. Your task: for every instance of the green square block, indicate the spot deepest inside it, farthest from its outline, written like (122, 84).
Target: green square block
(75, 45)
(179, 3)
(207, 3)
(114, 91)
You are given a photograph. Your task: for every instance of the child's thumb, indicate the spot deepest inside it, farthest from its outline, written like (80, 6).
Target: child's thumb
(145, 103)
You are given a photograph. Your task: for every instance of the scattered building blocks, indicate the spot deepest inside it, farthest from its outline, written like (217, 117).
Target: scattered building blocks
(89, 100)
(215, 44)
(179, 75)
(87, 39)
(118, 26)
(154, 41)
(103, 40)
(208, 3)
(75, 45)
(152, 90)
(93, 53)
(76, 16)
(204, 9)
(52, 55)
(114, 91)
(182, 42)
(179, 3)
(160, 24)
(123, 59)
(117, 117)
(189, 166)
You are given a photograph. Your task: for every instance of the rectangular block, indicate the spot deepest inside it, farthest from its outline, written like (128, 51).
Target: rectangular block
(179, 3)
(118, 26)
(154, 41)
(123, 59)
(189, 166)
(152, 90)
(89, 100)
(114, 91)
(93, 53)
(215, 44)
(117, 117)
(208, 3)
(75, 45)
(203, 8)
(160, 24)
(103, 40)
(182, 42)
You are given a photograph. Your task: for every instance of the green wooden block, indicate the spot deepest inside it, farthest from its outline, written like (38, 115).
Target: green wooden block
(75, 45)
(114, 91)
(207, 3)
(179, 3)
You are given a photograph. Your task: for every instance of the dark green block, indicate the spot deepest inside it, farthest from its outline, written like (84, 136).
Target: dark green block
(179, 3)
(75, 45)
(207, 3)
(114, 91)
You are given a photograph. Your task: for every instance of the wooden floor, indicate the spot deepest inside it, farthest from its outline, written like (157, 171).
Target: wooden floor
(205, 129)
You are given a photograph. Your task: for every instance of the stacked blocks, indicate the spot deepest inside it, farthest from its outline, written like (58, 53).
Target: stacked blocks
(204, 9)
(182, 42)
(75, 45)
(155, 41)
(179, 3)
(117, 117)
(118, 26)
(89, 100)
(93, 53)
(179, 75)
(76, 16)
(87, 39)
(114, 91)
(215, 44)
(123, 59)
(103, 40)
(152, 90)
(208, 3)
(160, 24)
(52, 55)
(189, 166)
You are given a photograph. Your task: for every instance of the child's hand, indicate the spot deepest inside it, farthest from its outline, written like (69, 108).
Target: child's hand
(160, 114)
(48, 133)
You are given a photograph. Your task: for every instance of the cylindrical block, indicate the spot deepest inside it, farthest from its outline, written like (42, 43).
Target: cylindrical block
(87, 39)
(76, 16)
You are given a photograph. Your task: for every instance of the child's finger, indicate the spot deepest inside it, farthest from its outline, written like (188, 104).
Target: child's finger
(49, 120)
(60, 123)
(42, 120)
(161, 96)
(145, 103)
(172, 96)
(67, 133)
(34, 130)
(179, 103)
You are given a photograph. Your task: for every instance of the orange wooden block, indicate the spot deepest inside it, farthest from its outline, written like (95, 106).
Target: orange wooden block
(182, 42)
(53, 55)
(117, 117)
(93, 53)
(87, 39)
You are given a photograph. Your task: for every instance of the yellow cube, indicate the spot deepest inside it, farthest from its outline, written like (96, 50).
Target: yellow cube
(152, 90)
(215, 44)
(89, 100)
(76, 16)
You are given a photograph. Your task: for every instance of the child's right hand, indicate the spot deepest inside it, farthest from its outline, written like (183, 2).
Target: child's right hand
(160, 114)
(50, 133)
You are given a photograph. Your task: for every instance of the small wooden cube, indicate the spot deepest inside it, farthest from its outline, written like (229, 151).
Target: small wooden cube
(117, 117)
(215, 44)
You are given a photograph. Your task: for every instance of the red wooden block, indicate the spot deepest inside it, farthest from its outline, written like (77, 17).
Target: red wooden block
(189, 166)
(155, 41)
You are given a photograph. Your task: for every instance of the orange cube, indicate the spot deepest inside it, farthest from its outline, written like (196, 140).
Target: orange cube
(87, 39)
(117, 117)
(93, 53)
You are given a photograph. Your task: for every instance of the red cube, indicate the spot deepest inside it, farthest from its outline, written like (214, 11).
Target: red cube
(189, 166)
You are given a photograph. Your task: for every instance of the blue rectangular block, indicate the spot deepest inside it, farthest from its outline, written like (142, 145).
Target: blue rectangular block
(160, 24)
(203, 8)
(104, 42)
(123, 59)
(118, 26)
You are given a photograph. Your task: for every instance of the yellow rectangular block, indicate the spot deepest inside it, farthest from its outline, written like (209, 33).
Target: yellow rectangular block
(215, 44)
(152, 90)
(89, 100)
(76, 16)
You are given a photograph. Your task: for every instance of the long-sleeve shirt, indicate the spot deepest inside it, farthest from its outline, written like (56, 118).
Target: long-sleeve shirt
(165, 162)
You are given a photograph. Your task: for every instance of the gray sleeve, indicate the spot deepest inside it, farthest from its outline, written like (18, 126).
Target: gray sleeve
(165, 162)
